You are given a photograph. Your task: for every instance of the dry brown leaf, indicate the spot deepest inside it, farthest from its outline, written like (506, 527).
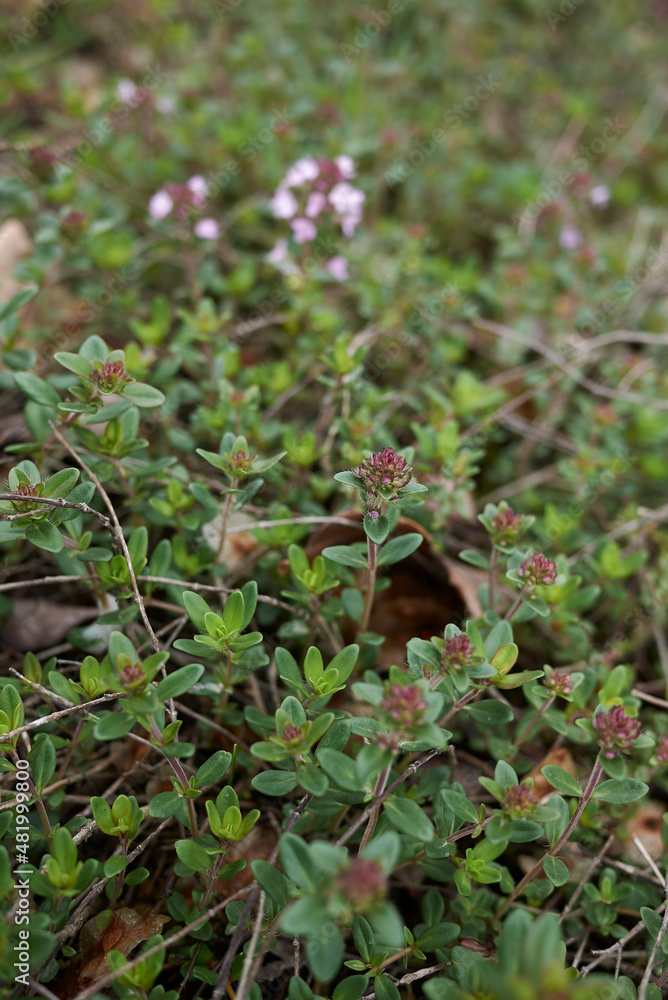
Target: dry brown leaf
(35, 624)
(645, 825)
(15, 243)
(119, 930)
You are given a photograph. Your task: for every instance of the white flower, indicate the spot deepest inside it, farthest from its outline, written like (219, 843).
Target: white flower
(600, 195)
(346, 199)
(278, 253)
(303, 230)
(346, 165)
(199, 188)
(303, 170)
(126, 91)
(207, 229)
(338, 268)
(570, 238)
(160, 205)
(315, 204)
(284, 204)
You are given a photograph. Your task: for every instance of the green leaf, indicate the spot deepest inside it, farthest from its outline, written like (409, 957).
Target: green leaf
(460, 805)
(324, 951)
(340, 768)
(60, 483)
(377, 528)
(274, 782)
(45, 536)
(213, 769)
(490, 713)
(399, 548)
(142, 395)
(137, 876)
(17, 302)
(180, 681)
(274, 883)
(651, 920)
(556, 870)
(350, 479)
(113, 725)
(345, 555)
(438, 936)
(474, 558)
(620, 790)
(194, 856)
(74, 363)
(505, 658)
(297, 862)
(36, 388)
(114, 865)
(562, 780)
(233, 612)
(312, 779)
(408, 817)
(351, 988)
(385, 989)
(42, 758)
(196, 608)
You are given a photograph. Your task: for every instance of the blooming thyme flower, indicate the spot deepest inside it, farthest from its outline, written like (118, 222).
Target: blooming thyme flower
(126, 91)
(303, 230)
(662, 749)
(337, 267)
(110, 377)
(363, 884)
(507, 526)
(384, 474)
(278, 253)
(518, 801)
(284, 204)
(616, 731)
(457, 653)
(570, 238)
(538, 569)
(599, 196)
(404, 704)
(559, 682)
(347, 202)
(160, 205)
(207, 229)
(306, 169)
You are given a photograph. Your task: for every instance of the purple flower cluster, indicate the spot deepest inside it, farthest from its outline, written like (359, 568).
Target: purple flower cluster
(507, 526)
(518, 801)
(383, 475)
(185, 200)
(457, 653)
(538, 569)
(312, 189)
(559, 682)
(404, 704)
(363, 884)
(616, 731)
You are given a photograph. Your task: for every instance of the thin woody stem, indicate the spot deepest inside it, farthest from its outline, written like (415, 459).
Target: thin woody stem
(594, 779)
(372, 550)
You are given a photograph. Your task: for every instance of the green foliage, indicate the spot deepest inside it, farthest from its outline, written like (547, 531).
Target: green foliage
(242, 494)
